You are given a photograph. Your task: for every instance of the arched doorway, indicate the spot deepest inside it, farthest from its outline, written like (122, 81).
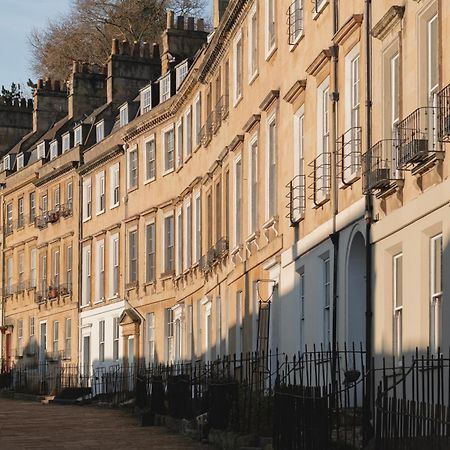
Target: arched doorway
(356, 292)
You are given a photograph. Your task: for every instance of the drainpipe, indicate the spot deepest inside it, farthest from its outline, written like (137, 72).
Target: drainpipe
(369, 218)
(334, 189)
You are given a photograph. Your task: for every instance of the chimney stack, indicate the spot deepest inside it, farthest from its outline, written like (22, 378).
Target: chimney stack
(50, 104)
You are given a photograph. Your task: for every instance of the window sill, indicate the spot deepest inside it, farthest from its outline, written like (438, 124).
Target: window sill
(131, 286)
(253, 77)
(236, 250)
(252, 237)
(87, 219)
(113, 297)
(167, 172)
(150, 180)
(97, 302)
(319, 11)
(237, 101)
(270, 222)
(167, 276)
(349, 180)
(294, 45)
(188, 157)
(132, 189)
(85, 305)
(99, 213)
(270, 52)
(114, 206)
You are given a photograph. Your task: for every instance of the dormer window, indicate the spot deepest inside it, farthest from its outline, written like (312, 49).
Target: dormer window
(123, 115)
(78, 136)
(20, 161)
(146, 100)
(164, 86)
(7, 162)
(41, 150)
(66, 142)
(181, 73)
(54, 150)
(100, 131)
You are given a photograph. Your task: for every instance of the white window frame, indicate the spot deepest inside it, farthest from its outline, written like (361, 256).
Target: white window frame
(100, 201)
(114, 181)
(271, 179)
(100, 131)
(197, 120)
(397, 336)
(168, 324)
(299, 161)
(187, 238)
(116, 338)
(114, 265)
(146, 99)
(253, 184)
(179, 241)
(188, 127)
(165, 248)
(436, 295)
(33, 267)
(68, 338)
(87, 199)
(168, 168)
(40, 150)
(197, 226)
(253, 43)
(101, 340)
(150, 251)
(270, 44)
(69, 267)
(151, 337)
(66, 142)
(181, 73)
(238, 201)
(150, 177)
(86, 276)
(179, 144)
(238, 63)
(100, 271)
(7, 162)
(131, 150)
(352, 111)
(164, 88)
(55, 343)
(130, 259)
(78, 136)
(323, 139)
(20, 161)
(319, 6)
(20, 337)
(123, 115)
(32, 335)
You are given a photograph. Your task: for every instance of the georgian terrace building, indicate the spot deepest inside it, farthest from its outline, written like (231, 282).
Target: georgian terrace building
(273, 159)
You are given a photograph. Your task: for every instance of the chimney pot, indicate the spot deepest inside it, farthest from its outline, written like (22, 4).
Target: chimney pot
(115, 47)
(190, 23)
(40, 83)
(155, 53)
(136, 49)
(57, 85)
(200, 25)
(125, 47)
(48, 84)
(170, 19)
(23, 103)
(146, 50)
(30, 103)
(180, 22)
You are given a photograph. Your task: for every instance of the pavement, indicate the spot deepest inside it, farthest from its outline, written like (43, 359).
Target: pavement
(31, 425)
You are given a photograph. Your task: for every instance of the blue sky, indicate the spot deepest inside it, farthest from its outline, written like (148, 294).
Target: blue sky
(17, 19)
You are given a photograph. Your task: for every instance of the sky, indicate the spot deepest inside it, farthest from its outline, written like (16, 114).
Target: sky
(17, 19)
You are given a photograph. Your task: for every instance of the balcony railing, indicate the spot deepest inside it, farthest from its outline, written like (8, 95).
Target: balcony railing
(222, 247)
(206, 130)
(349, 163)
(417, 137)
(203, 264)
(321, 178)
(53, 216)
(211, 256)
(295, 21)
(444, 114)
(297, 198)
(41, 221)
(66, 209)
(222, 109)
(378, 166)
(52, 292)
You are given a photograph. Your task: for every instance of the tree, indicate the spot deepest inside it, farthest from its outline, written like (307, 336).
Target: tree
(86, 32)
(14, 93)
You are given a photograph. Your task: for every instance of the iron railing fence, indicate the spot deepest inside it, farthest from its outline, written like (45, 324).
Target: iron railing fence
(349, 155)
(321, 178)
(296, 196)
(444, 114)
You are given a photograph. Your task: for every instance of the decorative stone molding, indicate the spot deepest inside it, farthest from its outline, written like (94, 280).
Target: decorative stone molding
(388, 22)
(295, 90)
(353, 24)
(269, 99)
(319, 62)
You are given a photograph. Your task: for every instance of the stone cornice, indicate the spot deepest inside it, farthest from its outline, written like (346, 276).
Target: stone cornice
(101, 159)
(235, 142)
(55, 173)
(269, 99)
(319, 62)
(251, 122)
(348, 28)
(295, 90)
(388, 22)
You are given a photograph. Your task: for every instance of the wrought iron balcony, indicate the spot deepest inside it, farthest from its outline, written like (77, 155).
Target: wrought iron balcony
(297, 198)
(321, 178)
(211, 256)
(66, 209)
(417, 137)
(203, 264)
(52, 292)
(222, 247)
(295, 21)
(206, 131)
(222, 108)
(444, 114)
(349, 148)
(41, 221)
(378, 166)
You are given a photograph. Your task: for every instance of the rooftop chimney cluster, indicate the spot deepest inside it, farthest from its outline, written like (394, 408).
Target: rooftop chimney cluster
(184, 23)
(83, 67)
(135, 50)
(49, 85)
